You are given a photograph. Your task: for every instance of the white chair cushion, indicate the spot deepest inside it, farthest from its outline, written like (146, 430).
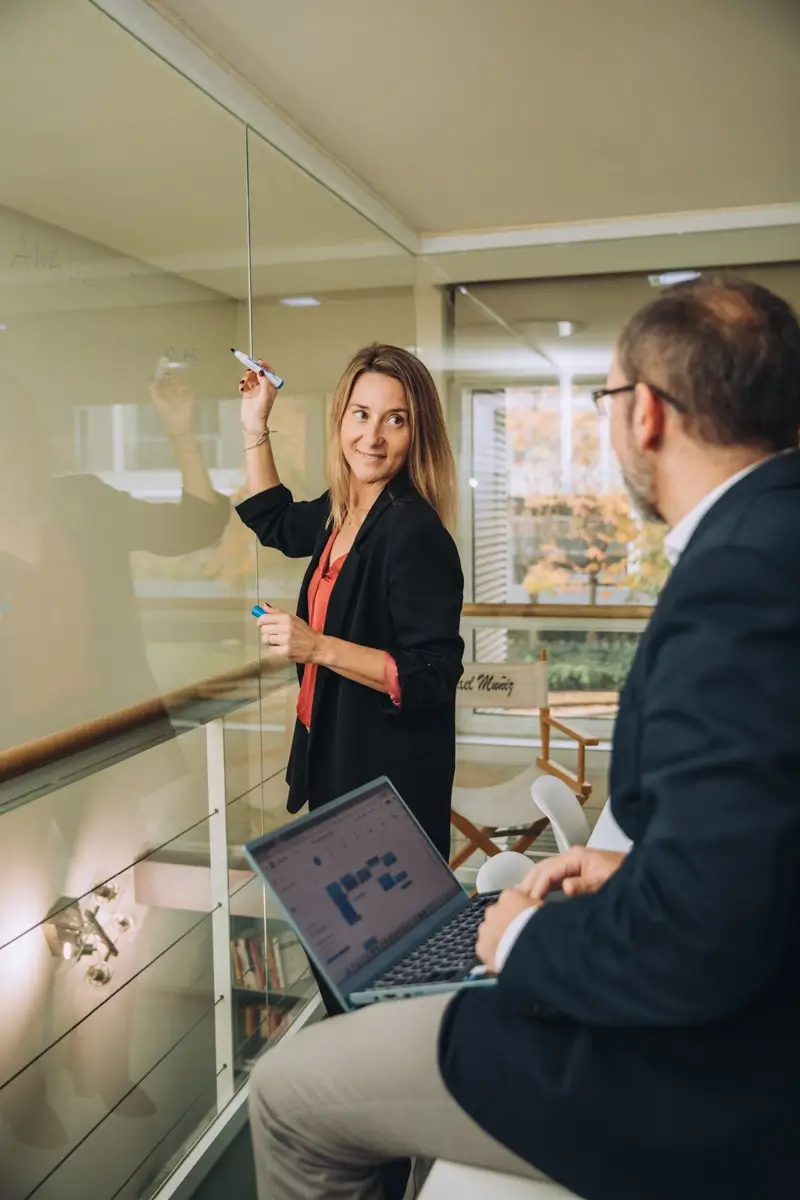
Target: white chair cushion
(607, 834)
(451, 1181)
(503, 870)
(499, 804)
(560, 804)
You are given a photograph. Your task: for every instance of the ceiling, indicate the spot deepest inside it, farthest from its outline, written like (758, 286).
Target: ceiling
(113, 146)
(485, 114)
(463, 114)
(508, 331)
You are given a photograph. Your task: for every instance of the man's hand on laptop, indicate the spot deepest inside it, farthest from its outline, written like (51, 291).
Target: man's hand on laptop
(496, 921)
(577, 872)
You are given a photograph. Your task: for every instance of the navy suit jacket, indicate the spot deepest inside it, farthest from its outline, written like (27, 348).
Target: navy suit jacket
(674, 1070)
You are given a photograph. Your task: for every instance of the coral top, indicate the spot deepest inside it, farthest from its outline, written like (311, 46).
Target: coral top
(322, 584)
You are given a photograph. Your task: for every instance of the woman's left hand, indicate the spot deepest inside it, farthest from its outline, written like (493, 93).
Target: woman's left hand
(289, 636)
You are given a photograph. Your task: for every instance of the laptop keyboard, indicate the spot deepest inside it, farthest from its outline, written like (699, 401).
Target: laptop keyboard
(449, 954)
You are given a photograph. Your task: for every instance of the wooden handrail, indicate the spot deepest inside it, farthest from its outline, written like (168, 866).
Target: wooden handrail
(583, 612)
(235, 605)
(40, 752)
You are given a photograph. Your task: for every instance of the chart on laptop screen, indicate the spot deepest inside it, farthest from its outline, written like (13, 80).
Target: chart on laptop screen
(356, 882)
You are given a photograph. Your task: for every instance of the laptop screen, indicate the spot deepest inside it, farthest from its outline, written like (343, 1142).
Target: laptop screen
(356, 877)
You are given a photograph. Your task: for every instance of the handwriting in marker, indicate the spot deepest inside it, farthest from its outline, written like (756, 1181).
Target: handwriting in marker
(32, 256)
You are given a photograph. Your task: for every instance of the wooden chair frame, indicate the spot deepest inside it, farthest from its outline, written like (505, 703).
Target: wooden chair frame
(480, 837)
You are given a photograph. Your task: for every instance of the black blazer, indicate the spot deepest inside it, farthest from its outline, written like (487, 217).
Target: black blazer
(401, 590)
(675, 1072)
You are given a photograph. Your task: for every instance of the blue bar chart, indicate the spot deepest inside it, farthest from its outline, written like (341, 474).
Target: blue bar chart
(378, 867)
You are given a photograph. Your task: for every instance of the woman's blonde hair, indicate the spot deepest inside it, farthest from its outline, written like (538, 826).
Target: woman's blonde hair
(431, 466)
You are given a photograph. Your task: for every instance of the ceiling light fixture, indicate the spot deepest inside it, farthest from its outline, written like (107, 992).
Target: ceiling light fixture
(670, 278)
(566, 328)
(300, 302)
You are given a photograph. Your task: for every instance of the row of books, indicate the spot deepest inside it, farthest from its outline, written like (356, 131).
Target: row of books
(273, 965)
(258, 1024)
(250, 965)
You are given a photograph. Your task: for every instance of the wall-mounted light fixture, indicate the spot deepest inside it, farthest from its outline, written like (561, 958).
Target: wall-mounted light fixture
(65, 929)
(74, 929)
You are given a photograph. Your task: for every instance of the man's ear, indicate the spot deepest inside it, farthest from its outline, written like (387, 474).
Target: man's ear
(647, 418)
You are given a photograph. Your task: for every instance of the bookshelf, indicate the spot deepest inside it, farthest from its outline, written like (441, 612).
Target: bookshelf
(271, 977)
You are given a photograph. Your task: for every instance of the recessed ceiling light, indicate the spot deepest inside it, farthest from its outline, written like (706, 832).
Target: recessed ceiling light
(2, 327)
(670, 278)
(550, 327)
(300, 302)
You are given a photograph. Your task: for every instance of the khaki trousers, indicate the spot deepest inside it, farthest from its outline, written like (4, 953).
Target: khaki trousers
(328, 1106)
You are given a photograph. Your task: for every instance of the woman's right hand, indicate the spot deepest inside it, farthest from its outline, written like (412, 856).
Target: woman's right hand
(258, 396)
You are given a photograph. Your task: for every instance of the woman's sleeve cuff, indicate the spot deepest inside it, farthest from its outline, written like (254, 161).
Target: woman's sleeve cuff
(391, 679)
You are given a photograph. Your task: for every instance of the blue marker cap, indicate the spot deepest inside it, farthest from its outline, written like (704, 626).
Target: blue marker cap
(258, 611)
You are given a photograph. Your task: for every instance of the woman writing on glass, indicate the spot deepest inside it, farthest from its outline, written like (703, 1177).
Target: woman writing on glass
(376, 635)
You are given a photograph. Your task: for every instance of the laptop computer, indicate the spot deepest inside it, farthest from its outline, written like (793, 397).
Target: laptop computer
(375, 906)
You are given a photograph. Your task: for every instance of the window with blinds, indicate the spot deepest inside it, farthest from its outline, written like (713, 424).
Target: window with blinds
(491, 536)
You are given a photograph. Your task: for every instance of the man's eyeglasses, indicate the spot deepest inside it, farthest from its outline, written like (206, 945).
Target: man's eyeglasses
(599, 396)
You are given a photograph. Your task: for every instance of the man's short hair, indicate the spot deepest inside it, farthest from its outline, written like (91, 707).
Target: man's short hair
(729, 352)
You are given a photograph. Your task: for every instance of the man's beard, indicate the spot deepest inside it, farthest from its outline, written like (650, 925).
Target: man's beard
(638, 480)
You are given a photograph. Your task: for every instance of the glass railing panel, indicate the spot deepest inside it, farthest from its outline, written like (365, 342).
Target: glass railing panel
(125, 285)
(70, 840)
(57, 974)
(101, 1066)
(257, 738)
(125, 1152)
(271, 977)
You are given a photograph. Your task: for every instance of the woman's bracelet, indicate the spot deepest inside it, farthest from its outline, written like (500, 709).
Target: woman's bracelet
(261, 436)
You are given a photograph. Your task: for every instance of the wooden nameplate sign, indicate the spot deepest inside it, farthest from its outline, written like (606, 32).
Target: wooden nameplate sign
(503, 685)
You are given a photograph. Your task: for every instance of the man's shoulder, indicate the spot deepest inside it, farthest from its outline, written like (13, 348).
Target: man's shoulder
(725, 601)
(770, 525)
(761, 515)
(740, 571)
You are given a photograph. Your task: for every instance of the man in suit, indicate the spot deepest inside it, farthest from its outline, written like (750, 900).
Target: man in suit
(641, 1039)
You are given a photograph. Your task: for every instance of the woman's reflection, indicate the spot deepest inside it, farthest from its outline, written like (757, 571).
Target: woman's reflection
(71, 643)
(72, 649)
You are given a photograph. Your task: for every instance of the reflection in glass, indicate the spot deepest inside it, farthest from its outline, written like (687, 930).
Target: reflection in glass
(71, 642)
(123, 283)
(308, 244)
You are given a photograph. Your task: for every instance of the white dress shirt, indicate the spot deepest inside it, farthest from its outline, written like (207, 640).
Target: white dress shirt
(678, 537)
(675, 543)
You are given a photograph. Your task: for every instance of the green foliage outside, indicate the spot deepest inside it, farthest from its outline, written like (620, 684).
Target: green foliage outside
(580, 662)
